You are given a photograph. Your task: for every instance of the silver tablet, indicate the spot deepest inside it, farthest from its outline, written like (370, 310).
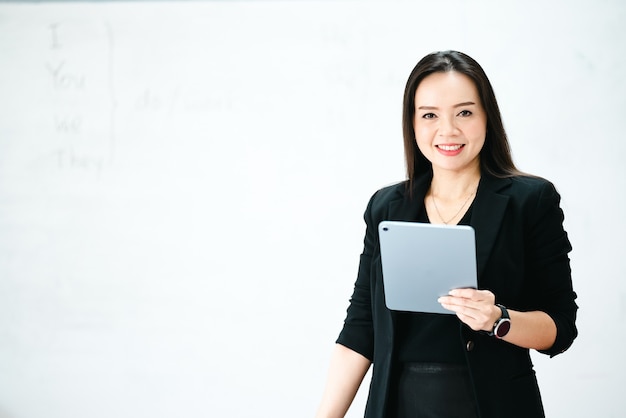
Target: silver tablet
(422, 261)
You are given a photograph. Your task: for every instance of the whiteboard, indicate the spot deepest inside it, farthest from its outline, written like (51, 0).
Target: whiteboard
(170, 173)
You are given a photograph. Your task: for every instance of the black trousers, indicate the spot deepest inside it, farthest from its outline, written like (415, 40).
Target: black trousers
(432, 390)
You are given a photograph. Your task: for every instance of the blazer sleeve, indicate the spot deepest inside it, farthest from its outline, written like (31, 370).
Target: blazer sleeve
(548, 267)
(358, 329)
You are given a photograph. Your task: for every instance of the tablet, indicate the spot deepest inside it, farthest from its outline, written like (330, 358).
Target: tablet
(422, 261)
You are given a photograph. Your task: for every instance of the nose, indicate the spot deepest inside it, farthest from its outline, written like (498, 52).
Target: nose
(447, 127)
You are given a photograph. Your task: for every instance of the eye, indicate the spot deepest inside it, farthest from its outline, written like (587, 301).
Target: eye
(465, 113)
(428, 116)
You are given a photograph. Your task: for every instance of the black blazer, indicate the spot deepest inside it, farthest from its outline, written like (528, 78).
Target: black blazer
(522, 257)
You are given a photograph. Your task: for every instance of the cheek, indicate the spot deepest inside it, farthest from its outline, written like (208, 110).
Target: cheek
(422, 144)
(422, 132)
(424, 137)
(479, 129)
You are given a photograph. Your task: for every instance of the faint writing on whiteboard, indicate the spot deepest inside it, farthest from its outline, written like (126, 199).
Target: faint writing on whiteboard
(79, 71)
(64, 80)
(68, 124)
(181, 99)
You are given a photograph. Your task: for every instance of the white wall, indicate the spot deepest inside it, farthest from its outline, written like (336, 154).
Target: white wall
(182, 185)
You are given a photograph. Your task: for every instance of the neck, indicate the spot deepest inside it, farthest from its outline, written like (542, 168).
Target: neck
(454, 185)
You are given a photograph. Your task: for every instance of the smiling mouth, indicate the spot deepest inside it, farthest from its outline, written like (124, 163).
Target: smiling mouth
(450, 147)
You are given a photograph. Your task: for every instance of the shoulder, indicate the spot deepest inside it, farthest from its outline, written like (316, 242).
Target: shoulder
(534, 187)
(530, 183)
(390, 192)
(522, 186)
(380, 200)
(531, 194)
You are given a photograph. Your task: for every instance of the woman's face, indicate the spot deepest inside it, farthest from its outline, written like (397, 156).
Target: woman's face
(450, 123)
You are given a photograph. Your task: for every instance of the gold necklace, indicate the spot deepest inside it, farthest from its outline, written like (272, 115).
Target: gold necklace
(456, 214)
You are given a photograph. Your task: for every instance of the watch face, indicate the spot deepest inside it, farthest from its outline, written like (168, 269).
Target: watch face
(503, 328)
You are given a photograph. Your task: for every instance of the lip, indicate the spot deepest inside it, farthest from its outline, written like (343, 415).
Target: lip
(450, 150)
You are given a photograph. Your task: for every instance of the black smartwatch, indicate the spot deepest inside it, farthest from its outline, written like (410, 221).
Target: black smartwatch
(502, 325)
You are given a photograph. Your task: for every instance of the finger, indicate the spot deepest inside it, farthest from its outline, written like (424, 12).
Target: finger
(457, 301)
(458, 306)
(463, 292)
(469, 321)
(452, 300)
(472, 313)
(467, 315)
(474, 294)
(447, 303)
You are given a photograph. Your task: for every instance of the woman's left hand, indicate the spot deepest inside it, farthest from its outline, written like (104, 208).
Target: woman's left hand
(476, 308)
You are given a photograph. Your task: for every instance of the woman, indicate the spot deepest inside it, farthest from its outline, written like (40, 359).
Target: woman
(475, 363)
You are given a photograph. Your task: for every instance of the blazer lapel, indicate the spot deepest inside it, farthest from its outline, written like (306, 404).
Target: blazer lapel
(487, 214)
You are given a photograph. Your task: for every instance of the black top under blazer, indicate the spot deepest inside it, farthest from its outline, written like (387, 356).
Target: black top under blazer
(522, 257)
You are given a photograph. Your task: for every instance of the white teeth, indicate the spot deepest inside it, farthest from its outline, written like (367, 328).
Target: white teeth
(449, 147)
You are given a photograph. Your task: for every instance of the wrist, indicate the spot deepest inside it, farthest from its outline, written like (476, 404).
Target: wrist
(502, 325)
(495, 314)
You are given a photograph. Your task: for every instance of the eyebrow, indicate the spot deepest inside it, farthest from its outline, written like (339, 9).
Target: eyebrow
(455, 106)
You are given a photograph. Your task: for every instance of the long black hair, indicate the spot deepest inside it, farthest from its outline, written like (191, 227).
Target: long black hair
(495, 156)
